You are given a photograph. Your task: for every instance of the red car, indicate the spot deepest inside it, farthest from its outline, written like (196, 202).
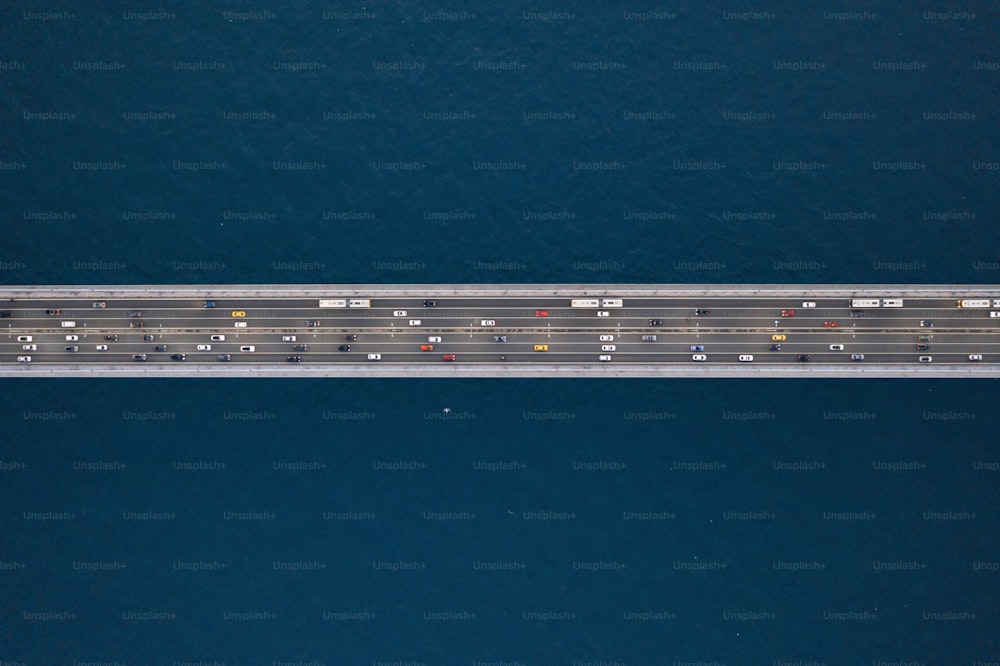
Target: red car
(426, 347)
(448, 357)
(788, 313)
(541, 313)
(830, 324)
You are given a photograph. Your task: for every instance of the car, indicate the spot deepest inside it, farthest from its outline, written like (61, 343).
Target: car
(399, 313)
(656, 322)
(24, 359)
(24, 338)
(135, 324)
(649, 338)
(603, 313)
(803, 357)
(374, 357)
(204, 348)
(248, 348)
(975, 357)
(995, 314)
(6, 314)
(29, 347)
(293, 359)
(149, 337)
(111, 338)
(351, 338)
(68, 324)
(928, 324)
(779, 337)
(775, 348)
(223, 357)
(72, 338)
(487, 322)
(72, 348)
(699, 357)
(161, 348)
(808, 304)
(240, 324)
(448, 357)
(857, 313)
(340, 348)
(99, 304)
(746, 358)
(697, 347)
(925, 359)
(604, 357)
(208, 304)
(925, 338)
(836, 347)
(313, 323)
(52, 313)
(541, 313)
(288, 338)
(414, 322)
(430, 304)
(218, 338)
(702, 312)
(542, 348)
(138, 357)
(426, 347)
(607, 347)
(857, 357)
(923, 347)
(830, 324)
(135, 314)
(101, 348)
(607, 338)
(300, 347)
(788, 313)
(434, 338)
(238, 313)
(499, 338)
(179, 357)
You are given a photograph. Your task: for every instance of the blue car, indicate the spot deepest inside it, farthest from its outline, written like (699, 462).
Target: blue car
(697, 347)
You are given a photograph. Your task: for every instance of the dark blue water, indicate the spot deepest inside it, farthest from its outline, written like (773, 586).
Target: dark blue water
(536, 522)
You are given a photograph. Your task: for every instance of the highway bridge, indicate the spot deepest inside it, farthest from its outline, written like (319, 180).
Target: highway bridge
(443, 330)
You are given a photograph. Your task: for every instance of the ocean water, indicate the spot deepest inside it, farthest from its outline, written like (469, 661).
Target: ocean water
(517, 521)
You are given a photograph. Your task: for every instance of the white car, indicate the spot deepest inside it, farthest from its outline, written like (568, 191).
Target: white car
(607, 338)
(24, 359)
(975, 357)
(240, 324)
(605, 357)
(808, 304)
(29, 347)
(102, 348)
(995, 314)
(399, 313)
(72, 338)
(414, 322)
(926, 359)
(248, 348)
(24, 338)
(699, 357)
(607, 347)
(218, 338)
(374, 357)
(204, 347)
(487, 322)
(434, 338)
(603, 313)
(288, 338)
(746, 358)
(836, 347)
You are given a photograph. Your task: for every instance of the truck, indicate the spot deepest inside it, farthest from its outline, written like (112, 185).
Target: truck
(974, 303)
(585, 303)
(864, 303)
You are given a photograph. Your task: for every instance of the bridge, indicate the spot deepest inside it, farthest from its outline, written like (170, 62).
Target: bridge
(530, 330)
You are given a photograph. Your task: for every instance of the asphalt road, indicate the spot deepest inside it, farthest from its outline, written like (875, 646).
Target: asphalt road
(735, 326)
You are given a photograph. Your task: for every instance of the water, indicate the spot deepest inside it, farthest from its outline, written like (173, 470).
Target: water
(539, 522)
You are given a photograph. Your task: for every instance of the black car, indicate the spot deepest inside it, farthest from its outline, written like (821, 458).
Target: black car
(430, 304)
(111, 338)
(923, 347)
(223, 357)
(499, 338)
(775, 347)
(656, 322)
(857, 313)
(344, 347)
(702, 311)
(209, 304)
(149, 337)
(135, 314)
(300, 347)
(312, 322)
(802, 357)
(351, 338)
(179, 357)
(6, 313)
(72, 348)
(161, 348)
(135, 324)
(53, 313)
(293, 359)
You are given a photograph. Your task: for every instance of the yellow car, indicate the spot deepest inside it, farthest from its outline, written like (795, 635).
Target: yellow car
(238, 313)
(778, 338)
(541, 347)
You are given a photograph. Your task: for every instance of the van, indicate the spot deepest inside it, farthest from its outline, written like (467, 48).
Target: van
(649, 338)
(248, 348)
(24, 359)
(240, 324)
(414, 322)
(808, 304)
(857, 357)
(746, 358)
(69, 324)
(399, 313)
(995, 314)
(29, 347)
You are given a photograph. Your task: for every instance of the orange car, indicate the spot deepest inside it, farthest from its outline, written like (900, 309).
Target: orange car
(426, 347)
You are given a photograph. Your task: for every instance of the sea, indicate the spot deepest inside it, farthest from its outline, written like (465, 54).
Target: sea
(499, 522)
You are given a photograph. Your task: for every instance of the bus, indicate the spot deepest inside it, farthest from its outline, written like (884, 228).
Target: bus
(892, 302)
(611, 302)
(864, 303)
(584, 303)
(333, 303)
(983, 303)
